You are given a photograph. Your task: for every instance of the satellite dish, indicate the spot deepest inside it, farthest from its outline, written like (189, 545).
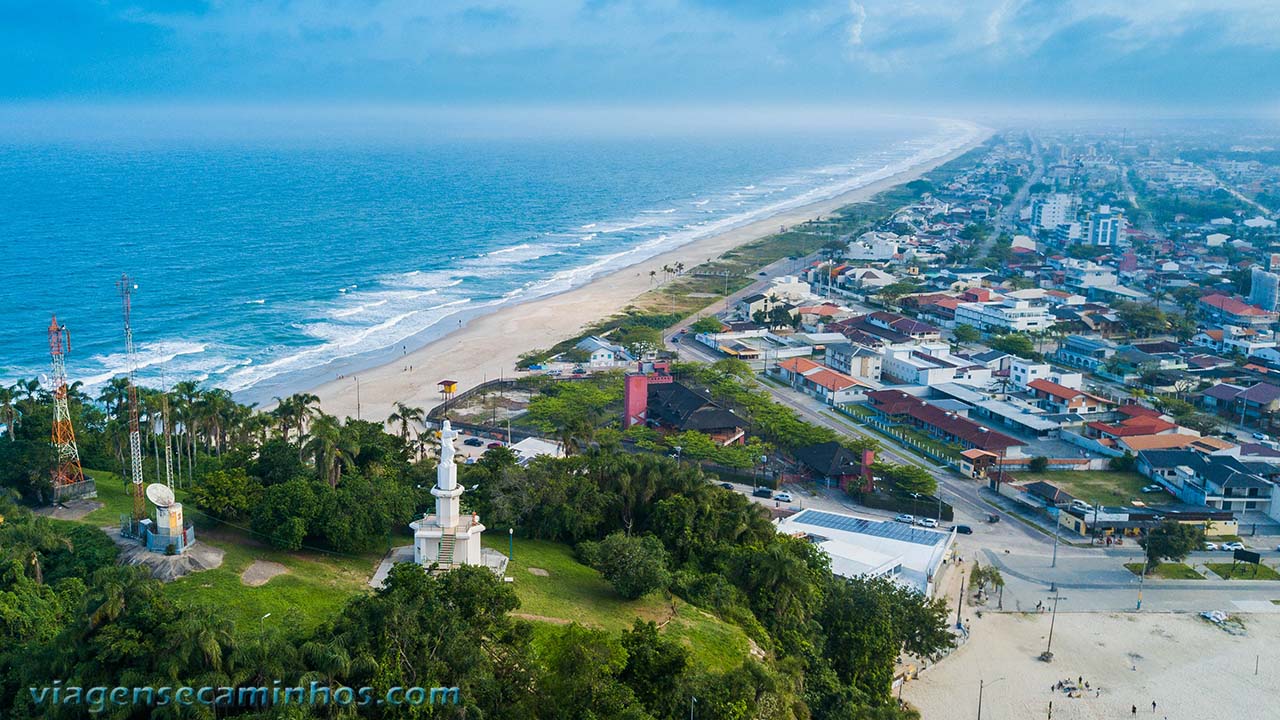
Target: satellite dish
(160, 495)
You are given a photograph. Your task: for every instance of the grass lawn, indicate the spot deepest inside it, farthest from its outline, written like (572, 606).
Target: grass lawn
(573, 592)
(1167, 571)
(1243, 571)
(315, 586)
(1102, 486)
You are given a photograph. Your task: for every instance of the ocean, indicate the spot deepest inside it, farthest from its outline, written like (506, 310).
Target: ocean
(265, 264)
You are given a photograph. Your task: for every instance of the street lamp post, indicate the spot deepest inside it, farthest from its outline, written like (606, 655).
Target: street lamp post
(262, 624)
(692, 701)
(1057, 524)
(981, 684)
(1048, 650)
(1141, 578)
(511, 544)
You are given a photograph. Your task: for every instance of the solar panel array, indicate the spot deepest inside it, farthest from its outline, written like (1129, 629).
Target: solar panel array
(890, 530)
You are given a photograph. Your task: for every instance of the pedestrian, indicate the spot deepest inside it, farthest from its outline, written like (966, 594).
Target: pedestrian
(1134, 711)
(1153, 707)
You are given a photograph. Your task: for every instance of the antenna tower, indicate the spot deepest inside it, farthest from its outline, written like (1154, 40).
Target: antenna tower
(67, 471)
(126, 287)
(168, 441)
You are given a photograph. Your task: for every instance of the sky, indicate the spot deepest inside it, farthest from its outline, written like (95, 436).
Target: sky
(1173, 54)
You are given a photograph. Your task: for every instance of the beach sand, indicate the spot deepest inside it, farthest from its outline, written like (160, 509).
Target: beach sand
(489, 346)
(1192, 669)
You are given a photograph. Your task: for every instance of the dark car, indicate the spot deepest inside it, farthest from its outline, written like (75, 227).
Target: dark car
(727, 486)
(473, 442)
(762, 492)
(992, 518)
(493, 445)
(964, 530)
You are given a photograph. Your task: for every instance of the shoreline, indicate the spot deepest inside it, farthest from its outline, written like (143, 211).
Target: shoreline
(488, 345)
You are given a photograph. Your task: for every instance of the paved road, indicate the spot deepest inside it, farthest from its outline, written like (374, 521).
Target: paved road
(964, 495)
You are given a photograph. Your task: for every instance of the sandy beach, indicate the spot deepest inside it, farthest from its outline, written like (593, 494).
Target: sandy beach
(1191, 669)
(489, 346)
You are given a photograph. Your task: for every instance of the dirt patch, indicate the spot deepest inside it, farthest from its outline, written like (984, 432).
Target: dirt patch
(541, 618)
(260, 572)
(539, 572)
(70, 510)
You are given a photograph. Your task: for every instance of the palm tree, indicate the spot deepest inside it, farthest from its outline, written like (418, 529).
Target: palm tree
(9, 411)
(114, 394)
(331, 448)
(404, 415)
(27, 389)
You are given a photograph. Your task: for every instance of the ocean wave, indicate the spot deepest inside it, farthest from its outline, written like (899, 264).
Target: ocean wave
(340, 341)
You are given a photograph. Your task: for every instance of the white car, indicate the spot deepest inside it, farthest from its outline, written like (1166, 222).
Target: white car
(904, 518)
(783, 496)
(1210, 547)
(1232, 546)
(927, 522)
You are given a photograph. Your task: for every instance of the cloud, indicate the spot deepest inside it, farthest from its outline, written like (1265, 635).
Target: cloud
(604, 50)
(855, 25)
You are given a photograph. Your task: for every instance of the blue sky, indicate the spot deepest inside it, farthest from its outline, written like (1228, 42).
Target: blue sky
(1099, 53)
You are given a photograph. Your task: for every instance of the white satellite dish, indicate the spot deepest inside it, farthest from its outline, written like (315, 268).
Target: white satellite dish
(160, 495)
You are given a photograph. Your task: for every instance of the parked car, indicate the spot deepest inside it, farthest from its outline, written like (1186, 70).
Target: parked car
(473, 442)
(727, 486)
(783, 496)
(905, 518)
(762, 492)
(963, 530)
(1229, 546)
(927, 522)
(493, 445)
(1260, 436)
(1152, 488)
(993, 518)
(579, 370)
(1211, 547)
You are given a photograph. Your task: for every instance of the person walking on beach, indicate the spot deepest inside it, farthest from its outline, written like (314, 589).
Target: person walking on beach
(1134, 711)
(1153, 707)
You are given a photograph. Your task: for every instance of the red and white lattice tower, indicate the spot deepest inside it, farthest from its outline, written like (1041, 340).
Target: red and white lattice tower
(126, 287)
(67, 472)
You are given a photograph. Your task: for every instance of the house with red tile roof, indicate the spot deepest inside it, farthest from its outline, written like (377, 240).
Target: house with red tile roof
(834, 388)
(1061, 399)
(1229, 310)
(949, 427)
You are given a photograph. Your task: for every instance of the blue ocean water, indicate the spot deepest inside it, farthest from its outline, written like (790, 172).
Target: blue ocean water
(265, 263)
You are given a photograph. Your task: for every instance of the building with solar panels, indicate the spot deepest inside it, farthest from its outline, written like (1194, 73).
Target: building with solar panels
(907, 554)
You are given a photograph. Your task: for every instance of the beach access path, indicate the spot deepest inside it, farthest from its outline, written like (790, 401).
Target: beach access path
(489, 346)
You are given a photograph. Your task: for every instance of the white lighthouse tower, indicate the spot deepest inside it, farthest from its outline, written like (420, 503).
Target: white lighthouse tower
(447, 538)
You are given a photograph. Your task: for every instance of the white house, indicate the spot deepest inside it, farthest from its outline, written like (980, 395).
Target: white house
(604, 353)
(1008, 315)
